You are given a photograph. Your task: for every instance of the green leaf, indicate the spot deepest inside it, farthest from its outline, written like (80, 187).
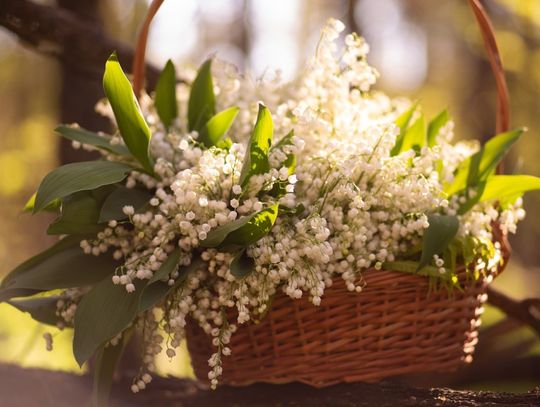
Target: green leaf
(41, 309)
(402, 122)
(481, 165)
(63, 265)
(242, 265)
(165, 99)
(504, 187)
(256, 160)
(54, 206)
(83, 136)
(440, 232)
(80, 215)
(105, 311)
(107, 359)
(131, 123)
(121, 196)
(202, 102)
(75, 177)
(415, 136)
(435, 127)
(156, 290)
(244, 231)
(215, 128)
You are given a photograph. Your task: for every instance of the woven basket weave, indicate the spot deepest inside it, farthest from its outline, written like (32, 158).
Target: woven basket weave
(392, 328)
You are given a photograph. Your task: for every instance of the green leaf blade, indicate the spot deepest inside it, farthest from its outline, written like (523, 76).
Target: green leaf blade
(508, 187)
(435, 126)
(131, 123)
(75, 177)
(63, 265)
(244, 231)
(441, 231)
(202, 101)
(106, 361)
(120, 197)
(105, 311)
(87, 137)
(242, 265)
(165, 99)
(215, 128)
(482, 164)
(402, 122)
(156, 290)
(79, 215)
(415, 136)
(40, 309)
(256, 160)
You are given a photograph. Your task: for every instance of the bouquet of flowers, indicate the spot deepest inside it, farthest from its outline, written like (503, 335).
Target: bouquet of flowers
(206, 200)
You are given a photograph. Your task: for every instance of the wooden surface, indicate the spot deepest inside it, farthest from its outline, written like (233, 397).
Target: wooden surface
(34, 387)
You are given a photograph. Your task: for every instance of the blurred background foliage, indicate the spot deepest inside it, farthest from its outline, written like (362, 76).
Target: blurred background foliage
(426, 50)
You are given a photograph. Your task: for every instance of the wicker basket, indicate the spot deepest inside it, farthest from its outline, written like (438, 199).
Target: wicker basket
(392, 328)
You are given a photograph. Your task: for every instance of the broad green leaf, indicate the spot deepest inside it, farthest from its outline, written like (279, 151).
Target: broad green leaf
(63, 265)
(75, 177)
(54, 206)
(87, 137)
(105, 311)
(156, 290)
(481, 165)
(242, 265)
(131, 123)
(215, 128)
(107, 359)
(121, 196)
(415, 136)
(435, 127)
(440, 232)
(218, 235)
(504, 187)
(256, 159)
(202, 102)
(165, 99)
(79, 215)
(41, 309)
(402, 122)
(245, 231)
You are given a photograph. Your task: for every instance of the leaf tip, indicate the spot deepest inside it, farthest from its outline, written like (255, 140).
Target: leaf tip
(113, 57)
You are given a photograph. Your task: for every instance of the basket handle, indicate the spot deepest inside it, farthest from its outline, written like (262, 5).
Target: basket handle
(486, 28)
(502, 118)
(139, 66)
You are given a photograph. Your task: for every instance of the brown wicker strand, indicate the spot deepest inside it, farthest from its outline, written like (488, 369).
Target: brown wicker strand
(490, 44)
(392, 328)
(139, 66)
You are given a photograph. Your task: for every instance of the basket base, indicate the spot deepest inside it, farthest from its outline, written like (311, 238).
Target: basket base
(392, 328)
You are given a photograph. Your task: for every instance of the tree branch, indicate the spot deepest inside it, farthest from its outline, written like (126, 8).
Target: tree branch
(77, 43)
(526, 311)
(33, 387)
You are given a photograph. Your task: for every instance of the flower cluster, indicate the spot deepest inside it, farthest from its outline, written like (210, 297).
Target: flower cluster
(350, 198)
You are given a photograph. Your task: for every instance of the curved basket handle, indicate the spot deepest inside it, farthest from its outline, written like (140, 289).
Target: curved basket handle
(488, 35)
(139, 67)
